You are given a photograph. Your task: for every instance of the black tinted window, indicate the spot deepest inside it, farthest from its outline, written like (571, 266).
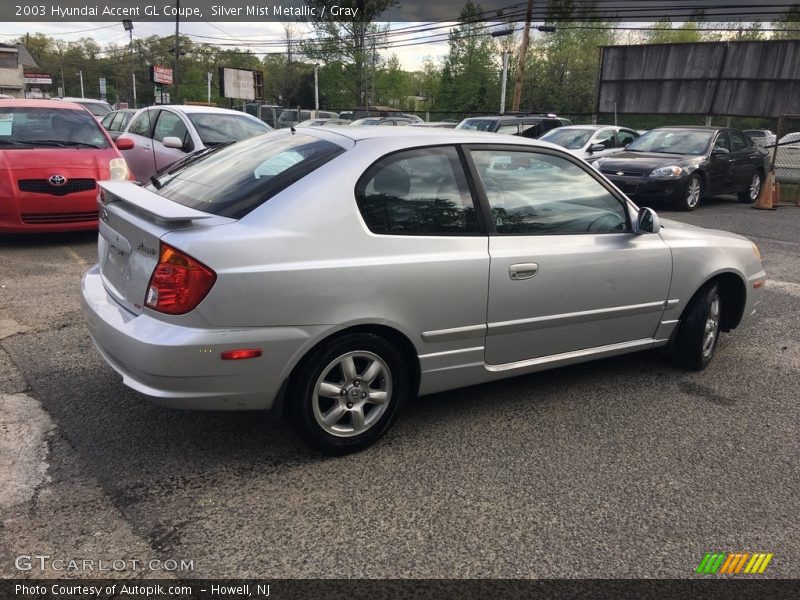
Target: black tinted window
(417, 192)
(738, 141)
(234, 180)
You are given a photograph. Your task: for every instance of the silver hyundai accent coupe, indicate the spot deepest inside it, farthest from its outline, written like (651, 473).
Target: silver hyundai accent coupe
(333, 273)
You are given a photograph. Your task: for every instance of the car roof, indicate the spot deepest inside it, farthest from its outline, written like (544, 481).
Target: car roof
(425, 135)
(30, 103)
(76, 99)
(192, 109)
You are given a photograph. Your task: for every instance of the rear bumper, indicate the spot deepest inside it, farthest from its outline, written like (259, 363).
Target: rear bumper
(179, 366)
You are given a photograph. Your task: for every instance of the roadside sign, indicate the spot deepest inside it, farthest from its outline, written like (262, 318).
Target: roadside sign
(161, 75)
(103, 88)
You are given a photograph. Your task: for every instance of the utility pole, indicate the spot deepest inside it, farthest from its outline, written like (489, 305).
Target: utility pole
(128, 25)
(177, 48)
(523, 52)
(80, 74)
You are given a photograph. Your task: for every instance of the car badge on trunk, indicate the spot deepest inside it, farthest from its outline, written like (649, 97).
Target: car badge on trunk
(57, 180)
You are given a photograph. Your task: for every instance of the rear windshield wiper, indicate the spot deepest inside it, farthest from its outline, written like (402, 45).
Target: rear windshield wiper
(186, 161)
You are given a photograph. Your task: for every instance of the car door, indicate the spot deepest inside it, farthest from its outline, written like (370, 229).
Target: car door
(170, 124)
(140, 158)
(567, 273)
(745, 158)
(720, 165)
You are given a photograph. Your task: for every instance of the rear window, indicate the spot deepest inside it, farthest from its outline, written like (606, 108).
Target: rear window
(98, 109)
(477, 124)
(216, 128)
(23, 127)
(234, 180)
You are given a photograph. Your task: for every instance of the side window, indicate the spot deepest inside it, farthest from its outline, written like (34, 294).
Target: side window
(535, 193)
(106, 121)
(170, 125)
(625, 137)
(417, 192)
(722, 141)
(511, 129)
(738, 141)
(531, 129)
(605, 137)
(141, 125)
(117, 123)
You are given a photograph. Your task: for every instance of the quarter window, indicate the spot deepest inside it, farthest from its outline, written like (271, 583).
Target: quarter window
(512, 129)
(536, 193)
(417, 192)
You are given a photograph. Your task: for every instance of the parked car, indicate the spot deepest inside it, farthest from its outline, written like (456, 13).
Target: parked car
(531, 126)
(116, 121)
(158, 136)
(591, 141)
(290, 118)
(682, 165)
(99, 108)
(335, 274)
(320, 122)
(52, 154)
(762, 137)
(439, 124)
(383, 121)
(787, 158)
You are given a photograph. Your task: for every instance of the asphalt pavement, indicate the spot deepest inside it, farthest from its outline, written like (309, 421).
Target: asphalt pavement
(627, 467)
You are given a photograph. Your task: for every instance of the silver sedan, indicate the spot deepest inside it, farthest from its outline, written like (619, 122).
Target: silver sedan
(334, 273)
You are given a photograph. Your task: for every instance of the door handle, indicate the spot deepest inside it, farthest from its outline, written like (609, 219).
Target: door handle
(522, 271)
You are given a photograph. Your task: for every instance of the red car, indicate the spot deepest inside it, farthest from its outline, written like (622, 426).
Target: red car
(52, 154)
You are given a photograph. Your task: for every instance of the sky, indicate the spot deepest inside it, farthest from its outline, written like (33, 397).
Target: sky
(410, 57)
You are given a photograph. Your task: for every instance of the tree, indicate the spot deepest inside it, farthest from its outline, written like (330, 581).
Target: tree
(351, 43)
(470, 79)
(787, 26)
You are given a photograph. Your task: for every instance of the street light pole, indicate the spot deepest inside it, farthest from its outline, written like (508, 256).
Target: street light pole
(316, 87)
(503, 87)
(523, 51)
(177, 49)
(128, 25)
(80, 74)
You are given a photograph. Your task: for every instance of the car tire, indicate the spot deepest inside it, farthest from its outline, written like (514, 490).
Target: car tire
(693, 193)
(698, 331)
(373, 383)
(750, 195)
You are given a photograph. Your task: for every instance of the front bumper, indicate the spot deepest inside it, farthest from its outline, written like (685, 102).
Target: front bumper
(645, 189)
(180, 366)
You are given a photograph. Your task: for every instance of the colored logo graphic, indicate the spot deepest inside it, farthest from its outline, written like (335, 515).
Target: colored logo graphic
(734, 563)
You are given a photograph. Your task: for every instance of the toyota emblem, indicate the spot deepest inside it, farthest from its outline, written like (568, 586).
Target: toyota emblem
(57, 180)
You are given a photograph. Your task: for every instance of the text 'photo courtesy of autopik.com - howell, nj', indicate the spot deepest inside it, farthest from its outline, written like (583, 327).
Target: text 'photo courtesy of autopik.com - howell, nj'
(358, 299)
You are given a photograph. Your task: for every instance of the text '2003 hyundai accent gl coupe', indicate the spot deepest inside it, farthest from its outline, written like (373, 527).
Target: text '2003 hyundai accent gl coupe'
(334, 273)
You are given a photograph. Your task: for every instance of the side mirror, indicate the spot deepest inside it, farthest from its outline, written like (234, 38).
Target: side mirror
(647, 221)
(172, 141)
(124, 143)
(719, 151)
(596, 148)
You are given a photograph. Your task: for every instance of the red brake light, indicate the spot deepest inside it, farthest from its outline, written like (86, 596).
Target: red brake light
(179, 283)
(242, 354)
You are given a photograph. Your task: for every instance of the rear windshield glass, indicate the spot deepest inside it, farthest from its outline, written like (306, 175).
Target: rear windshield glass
(22, 127)
(215, 128)
(568, 138)
(96, 108)
(234, 180)
(477, 124)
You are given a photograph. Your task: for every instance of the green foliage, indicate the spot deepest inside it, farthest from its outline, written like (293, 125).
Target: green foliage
(470, 75)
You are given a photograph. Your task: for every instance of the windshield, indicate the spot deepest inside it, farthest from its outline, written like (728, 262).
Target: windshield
(755, 133)
(22, 127)
(98, 109)
(568, 138)
(673, 141)
(367, 121)
(215, 128)
(234, 180)
(477, 124)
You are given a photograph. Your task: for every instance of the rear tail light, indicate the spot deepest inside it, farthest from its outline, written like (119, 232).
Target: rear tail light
(179, 283)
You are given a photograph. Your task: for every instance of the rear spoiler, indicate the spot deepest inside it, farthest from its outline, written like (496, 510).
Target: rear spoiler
(158, 207)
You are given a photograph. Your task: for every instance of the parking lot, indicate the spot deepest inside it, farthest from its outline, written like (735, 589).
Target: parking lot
(626, 467)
